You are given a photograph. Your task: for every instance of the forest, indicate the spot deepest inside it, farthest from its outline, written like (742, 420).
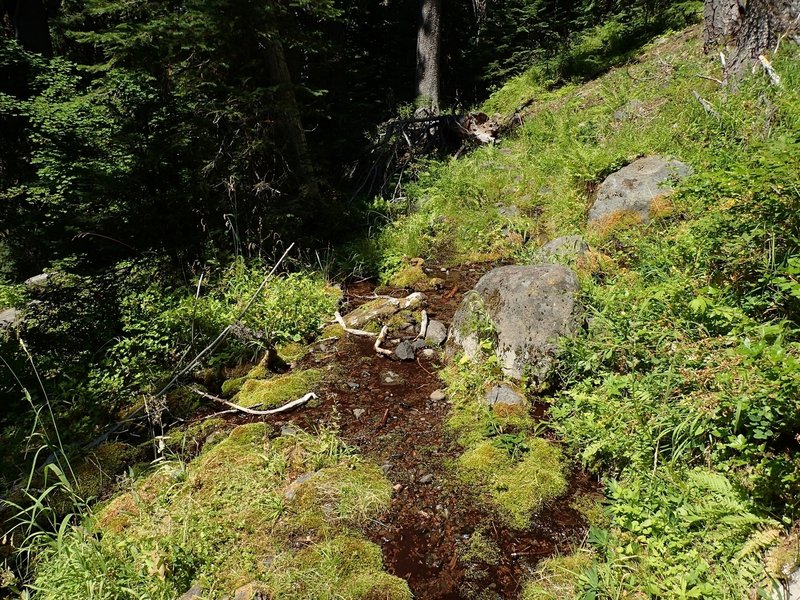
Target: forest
(399, 299)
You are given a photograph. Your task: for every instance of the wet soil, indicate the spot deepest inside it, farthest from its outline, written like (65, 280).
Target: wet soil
(432, 516)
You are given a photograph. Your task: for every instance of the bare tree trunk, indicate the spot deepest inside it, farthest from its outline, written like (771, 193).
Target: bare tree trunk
(429, 36)
(748, 27)
(279, 75)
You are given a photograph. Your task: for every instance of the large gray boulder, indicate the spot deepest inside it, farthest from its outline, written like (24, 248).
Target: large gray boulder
(633, 189)
(526, 310)
(8, 318)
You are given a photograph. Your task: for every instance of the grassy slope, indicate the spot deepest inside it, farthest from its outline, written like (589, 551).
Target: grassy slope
(684, 392)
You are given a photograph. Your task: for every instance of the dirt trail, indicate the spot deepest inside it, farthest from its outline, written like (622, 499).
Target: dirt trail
(401, 428)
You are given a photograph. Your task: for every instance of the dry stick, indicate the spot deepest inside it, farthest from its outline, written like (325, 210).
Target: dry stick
(423, 328)
(707, 106)
(379, 341)
(250, 411)
(347, 329)
(714, 79)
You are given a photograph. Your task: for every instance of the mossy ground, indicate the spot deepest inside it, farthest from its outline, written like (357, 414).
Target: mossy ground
(226, 520)
(280, 389)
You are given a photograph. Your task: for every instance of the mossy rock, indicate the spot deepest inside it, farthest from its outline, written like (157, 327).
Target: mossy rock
(272, 393)
(413, 277)
(188, 440)
(96, 472)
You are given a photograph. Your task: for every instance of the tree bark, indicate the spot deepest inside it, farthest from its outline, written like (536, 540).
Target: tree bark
(278, 71)
(31, 29)
(748, 28)
(429, 39)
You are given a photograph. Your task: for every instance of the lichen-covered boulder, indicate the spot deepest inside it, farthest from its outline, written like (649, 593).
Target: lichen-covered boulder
(523, 311)
(634, 188)
(8, 318)
(565, 249)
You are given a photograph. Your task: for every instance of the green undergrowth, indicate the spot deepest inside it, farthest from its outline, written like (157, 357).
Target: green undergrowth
(273, 515)
(683, 392)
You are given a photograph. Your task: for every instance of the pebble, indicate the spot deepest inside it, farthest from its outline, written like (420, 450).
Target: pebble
(359, 412)
(437, 332)
(438, 395)
(391, 378)
(289, 430)
(353, 385)
(386, 468)
(426, 478)
(428, 353)
(397, 487)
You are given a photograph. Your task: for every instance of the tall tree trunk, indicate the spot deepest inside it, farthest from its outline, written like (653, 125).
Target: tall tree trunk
(429, 41)
(29, 19)
(748, 27)
(279, 76)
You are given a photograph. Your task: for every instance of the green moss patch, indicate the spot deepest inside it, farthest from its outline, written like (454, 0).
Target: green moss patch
(557, 578)
(227, 521)
(271, 393)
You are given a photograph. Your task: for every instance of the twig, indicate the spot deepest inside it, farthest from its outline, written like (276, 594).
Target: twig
(385, 418)
(250, 411)
(714, 79)
(347, 329)
(423, 328)
(380, 340)
(423, 368)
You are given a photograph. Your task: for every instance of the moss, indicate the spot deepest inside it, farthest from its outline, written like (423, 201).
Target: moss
(234, 385)
(333, 331)
(271, 393)
(188, 440)
(557, 578)
(481, 549)
(98, 470)
(414, 277)
(517, 488)
(537, 479)
(292, 351)
(344, 567)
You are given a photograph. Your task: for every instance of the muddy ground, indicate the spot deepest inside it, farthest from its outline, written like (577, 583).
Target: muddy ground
(398, 426)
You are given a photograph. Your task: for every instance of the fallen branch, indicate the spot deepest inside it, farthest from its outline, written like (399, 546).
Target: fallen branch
(380, 340)
(709, 78)
(423, 328)
(250, 411)
(361, 332)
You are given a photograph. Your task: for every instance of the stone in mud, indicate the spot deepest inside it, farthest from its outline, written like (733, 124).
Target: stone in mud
(381, 309)
(391, 378)
(418, 344)
(523, 311)
(437, 332)
(634, 189)
(426, 478)
(438, 395)
(567, 249)
(358, 412)
(404, 350)
(428, 353)
(504, 394)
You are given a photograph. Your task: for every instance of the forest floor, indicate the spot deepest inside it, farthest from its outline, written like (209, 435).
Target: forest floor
(383, 407)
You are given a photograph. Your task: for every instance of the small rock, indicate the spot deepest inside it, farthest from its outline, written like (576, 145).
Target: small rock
(8, 318)
(386, 468)
(38, 281)
(568, 248)
(438, 395)
(437, 332)
(405, 351)
(291, 489)
(509, 212)
(428, 353)
(353, 385)
(391, 378)
(426, 478)
(359, 412)
(418, 344)
(397, 487)
(289, 430)
(251, 591)
(504, 395)
(194, 592)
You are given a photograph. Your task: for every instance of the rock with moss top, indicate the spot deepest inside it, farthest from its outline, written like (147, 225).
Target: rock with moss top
(520, 313)
(274, 392)
(634, 188)
(382, 309)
